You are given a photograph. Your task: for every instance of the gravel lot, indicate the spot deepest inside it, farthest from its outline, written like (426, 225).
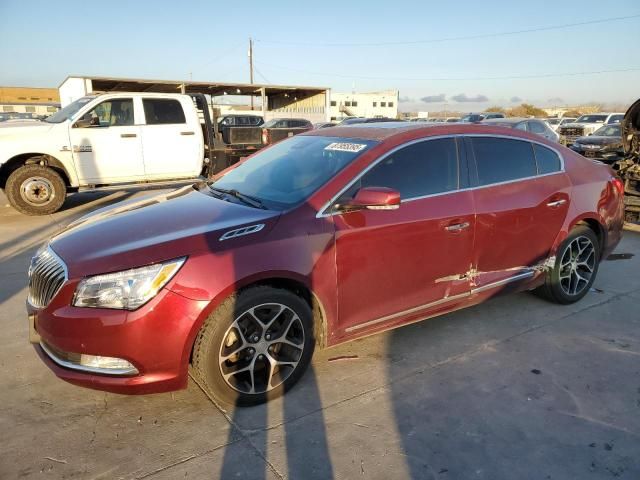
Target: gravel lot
(516, 388)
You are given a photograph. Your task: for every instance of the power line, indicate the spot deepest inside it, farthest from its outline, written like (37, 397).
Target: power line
(435, 79)
(450, 39)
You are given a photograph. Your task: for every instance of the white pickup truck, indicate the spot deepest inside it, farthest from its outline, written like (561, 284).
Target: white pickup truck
(107, 140)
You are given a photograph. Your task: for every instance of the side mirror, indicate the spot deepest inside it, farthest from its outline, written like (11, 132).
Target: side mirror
(373, 198)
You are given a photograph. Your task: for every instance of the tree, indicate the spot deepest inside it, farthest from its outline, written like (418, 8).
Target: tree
(526, 110)
(572, 113)
(495, 109)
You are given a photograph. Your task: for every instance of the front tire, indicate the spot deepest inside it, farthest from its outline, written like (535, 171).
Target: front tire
(35, 190)
(255, 346)
(575, 267)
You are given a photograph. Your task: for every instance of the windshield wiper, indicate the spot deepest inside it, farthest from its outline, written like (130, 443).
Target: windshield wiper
(247, 199)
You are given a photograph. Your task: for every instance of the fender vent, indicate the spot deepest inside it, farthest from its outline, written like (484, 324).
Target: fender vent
(239, 232)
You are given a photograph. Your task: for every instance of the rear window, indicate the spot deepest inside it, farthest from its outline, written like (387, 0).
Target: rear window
(162, 111)
(502, 160)
(546, 159)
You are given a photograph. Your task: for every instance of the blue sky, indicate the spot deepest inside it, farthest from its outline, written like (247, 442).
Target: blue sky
(44, 41)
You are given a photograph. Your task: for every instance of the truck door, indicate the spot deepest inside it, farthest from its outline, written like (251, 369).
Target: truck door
(171, 139)
(106, 144)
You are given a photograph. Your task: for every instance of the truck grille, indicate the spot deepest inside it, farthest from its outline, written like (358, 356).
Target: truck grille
(47, 274)
(572, 131)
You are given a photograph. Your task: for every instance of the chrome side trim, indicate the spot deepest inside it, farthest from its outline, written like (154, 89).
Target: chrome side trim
(489, 286)
(82, 368)
(322, 213)
(515, 278)
(239, 232)
(408, 312)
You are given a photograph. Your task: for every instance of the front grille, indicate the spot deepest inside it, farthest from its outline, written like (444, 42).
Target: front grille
(572, 131)
(47, 274)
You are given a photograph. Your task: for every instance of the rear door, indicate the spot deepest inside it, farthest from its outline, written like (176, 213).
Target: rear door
(172, 141)
(392, 264)
(521, 199)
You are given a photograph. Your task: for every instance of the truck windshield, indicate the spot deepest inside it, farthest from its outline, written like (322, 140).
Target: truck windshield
(592, 119)
(68, 111)
(287, 173)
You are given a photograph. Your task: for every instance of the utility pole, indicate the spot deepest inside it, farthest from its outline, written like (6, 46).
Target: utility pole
(251, 67)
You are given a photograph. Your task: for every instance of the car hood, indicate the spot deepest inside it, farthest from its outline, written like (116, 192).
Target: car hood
(630, 127)
(17, 128)
(598, 140)
(582, 124)
(154, 229)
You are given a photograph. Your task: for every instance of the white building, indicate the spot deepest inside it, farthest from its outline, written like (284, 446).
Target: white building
(372, 104)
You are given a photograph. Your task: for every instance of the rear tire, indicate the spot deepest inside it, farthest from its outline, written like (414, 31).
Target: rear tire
(575, 267)
(35, 190)
(255, 346)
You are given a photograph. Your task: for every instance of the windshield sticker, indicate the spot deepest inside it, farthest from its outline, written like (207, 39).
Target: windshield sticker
(346, 147)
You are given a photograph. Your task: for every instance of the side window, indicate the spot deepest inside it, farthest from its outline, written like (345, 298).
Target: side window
(420, 169)
(536, 127)
(615, 119)
(112, 113)
(547, 160)
(502, 159)
(163, 111)
(522, 126)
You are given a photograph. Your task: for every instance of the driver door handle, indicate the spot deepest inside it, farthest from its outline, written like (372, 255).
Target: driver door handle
(556, 203)
(457, 227)
(128, 135)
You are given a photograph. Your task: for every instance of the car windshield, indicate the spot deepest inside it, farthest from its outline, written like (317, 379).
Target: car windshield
(287, 173)
(608, 131)
(68, 111)
(592, 119)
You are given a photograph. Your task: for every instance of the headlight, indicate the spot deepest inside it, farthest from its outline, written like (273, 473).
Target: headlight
(125, 290)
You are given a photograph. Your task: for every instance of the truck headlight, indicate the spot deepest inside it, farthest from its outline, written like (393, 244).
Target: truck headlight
(126, 290)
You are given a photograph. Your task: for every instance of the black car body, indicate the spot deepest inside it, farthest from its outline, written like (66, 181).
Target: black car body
(605, 144)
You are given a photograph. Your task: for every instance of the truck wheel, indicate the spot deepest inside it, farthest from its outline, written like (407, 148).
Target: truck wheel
(35, 190)
(575, 268)
(254, 346)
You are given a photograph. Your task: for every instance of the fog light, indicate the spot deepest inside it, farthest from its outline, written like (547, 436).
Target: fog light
(107, 363)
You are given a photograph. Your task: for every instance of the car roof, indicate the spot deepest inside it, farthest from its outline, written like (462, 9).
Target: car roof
(415, 130)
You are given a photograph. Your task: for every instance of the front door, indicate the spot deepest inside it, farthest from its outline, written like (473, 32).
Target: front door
(109, 149)
(395, 265)
(521, 200)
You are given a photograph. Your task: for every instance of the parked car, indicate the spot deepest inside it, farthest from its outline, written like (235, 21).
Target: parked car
(492, 115)
(280, 128)
(586, 125)
(324, 125)
(357, 120)
(452, 119)
(605, 144)
(113, 139)
(323, 238)
(533, 125)
(554, 123)
(472, 118)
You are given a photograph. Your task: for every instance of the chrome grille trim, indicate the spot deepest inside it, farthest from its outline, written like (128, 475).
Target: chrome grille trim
(47, 275)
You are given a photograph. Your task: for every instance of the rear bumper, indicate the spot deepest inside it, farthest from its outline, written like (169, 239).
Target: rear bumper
(155, 339)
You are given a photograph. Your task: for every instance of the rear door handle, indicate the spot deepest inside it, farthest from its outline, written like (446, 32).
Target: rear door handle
(128, 135)
(457, 227)
(556, 203)
(187, 133)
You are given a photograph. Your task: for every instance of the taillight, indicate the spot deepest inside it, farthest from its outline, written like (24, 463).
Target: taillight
(265, 136)
(619, 184)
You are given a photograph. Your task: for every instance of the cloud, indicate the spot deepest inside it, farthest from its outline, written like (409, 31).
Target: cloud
(515, 99)
(463, 98)
(405, 100)
(555, 100)
(434, 98)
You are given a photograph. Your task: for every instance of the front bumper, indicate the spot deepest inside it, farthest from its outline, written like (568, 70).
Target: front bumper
(604, 155)
(155, 339)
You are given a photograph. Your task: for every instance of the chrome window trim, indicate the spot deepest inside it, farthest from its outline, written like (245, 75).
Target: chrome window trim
(323, 211)
(83, 368)
(520, 276)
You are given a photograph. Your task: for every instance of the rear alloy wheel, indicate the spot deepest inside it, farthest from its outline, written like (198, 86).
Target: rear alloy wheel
(575, 267)
(255, 346)
(35, 190)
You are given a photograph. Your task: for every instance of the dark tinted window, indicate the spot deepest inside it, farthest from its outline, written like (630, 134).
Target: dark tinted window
(615, 119)
(420, 169)
(502, 159)
(333, 103)
(159, 111)
(547, 160)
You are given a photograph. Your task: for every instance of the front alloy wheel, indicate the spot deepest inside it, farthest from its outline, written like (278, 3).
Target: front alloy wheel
(254, 346)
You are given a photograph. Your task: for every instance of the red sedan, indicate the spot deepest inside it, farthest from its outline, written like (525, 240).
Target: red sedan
(322, 238)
